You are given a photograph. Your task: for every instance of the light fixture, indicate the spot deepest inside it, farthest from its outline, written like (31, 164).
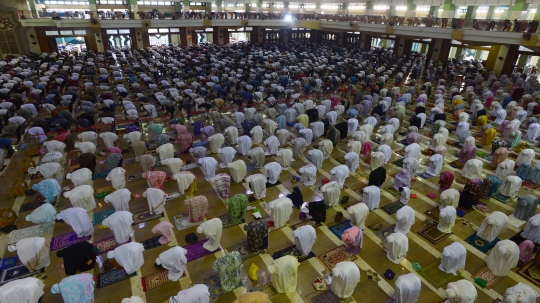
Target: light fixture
(288, 18)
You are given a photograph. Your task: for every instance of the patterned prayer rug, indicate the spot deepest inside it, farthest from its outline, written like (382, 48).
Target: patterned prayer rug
(250, 167)
(462, 180)
(103, 192)
(182, 222)
(392, 208)
(197, 250)
(336, 255)
(252, 200)
(269, 290)
(433, 235)
(531, 273)
(112, 276)
(173, 195)
(456, 164)
(400, 152)
(15, 273)
(435, 276)
(340, 228)
(73, 161)
(480, 244)
(392, 300)
(341, 160)
(190, 166)
(428, 152)
(326, 296)
(529, 184)
(102, 215)
(9, 262)
(398, 163)
(268, 185)
(144, 216)
(226, 221)
(487, 275)
(156, 279)
(385, 232)
(303, 223)
(29, 232)
(392, 190)
(433, 213)
(293, 251)
(32, 205)
(106, 245)
(66, 240)
(214, 286)
(37, 175)
(151, 243)
(101, 175)
(424, 175)
(502, 198)
(243, 250)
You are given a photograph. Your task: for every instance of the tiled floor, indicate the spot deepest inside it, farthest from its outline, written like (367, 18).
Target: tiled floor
(371, 257)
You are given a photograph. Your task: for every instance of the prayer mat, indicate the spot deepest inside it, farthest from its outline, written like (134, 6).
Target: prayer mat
(398, 163)
(529, 184)
(435, 276)
(433, 235)
(156, 279)
(73, 161)
(392, 190)
(190, 166)
(513, 155)
(126, 151)
(268, 185)
(462, 180)
(456, 164)
(37, 175)
(112, 276)
(101, 175)
(214, 286)
(359, 191)
(269, 290)
(129, 161)
(226, 221)
(31, 205)
(102, 215)
(341, 160)
(66, 240)
(336, 255)
(383, 233)
(425, 175)
(487, 157)
(366, 160)
(106, 245)
(487, 275)
(502, 198)
(9, 262)
(512, 220)
(456, 144)
(252, 200)
(144, 216)
(15, 273)
(490, 167)
(339, 229)
(392, 300)
(481, 154)
(293, 251)
(173, 195)
(428, 152)
(531, 273)
(182, 222)
(480, 244)
(250, 167)
(196, 250)
(403, 142)
(29, 232)
(151, 243)
(392, 208)
(400, 152)
(103, 192)
(243, 250)
(326, 296)
(303, 223)
(271, 226)
(433, 213)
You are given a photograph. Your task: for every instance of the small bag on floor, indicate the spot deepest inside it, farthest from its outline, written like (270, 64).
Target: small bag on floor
(338, 217)
(191, 238)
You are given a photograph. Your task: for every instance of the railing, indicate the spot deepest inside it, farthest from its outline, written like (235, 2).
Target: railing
(500, 25)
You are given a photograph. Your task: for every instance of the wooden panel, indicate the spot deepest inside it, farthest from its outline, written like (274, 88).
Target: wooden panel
(208, 23)
(457, 34)
(531, 42)
(389, 29)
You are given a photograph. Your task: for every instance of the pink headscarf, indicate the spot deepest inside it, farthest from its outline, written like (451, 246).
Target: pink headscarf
(489, 99)
(366, 149)
(334, 101)
(165, 229)
(114, 150)
(350, 234)
(526, 249)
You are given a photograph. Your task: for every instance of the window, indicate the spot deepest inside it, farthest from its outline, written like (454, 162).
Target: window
(66, 32)
(163, 30)
(159, 39)
(51, 33)
(123, 31)
(153, 30)
(79, 32)
(175, 30)
(112, 31)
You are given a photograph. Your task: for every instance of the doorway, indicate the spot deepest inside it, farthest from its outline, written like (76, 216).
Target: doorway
(119, 41)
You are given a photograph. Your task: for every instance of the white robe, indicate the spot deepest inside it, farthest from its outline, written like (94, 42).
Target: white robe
(332, 117)
(372, 121)
(453, 258)
(525, 156)
(284, 274)
(359, 136)
(133, 136)
(257, 155)
(492, 226)
(208, 166)
(226, 154)
(309, 174)
(377, 160)
(405, 195)
(352, 125)
(272, 144)
(120, 224)
(82, 196)
(53, 156)
(109, 138)
(165, 151)
(270, 126)
(27, 290)
(119, 199)
(397, 247)
(317, 128)
(174, 164)
(298, 146)
(472, 169)
(387, 139)
(520, 293)
(256, 134)
(197, 293)
(411, 165)
(307, 134)
(117, 176)
(510, 186)
(405, 220)
(352, 160)
(355, 147)
(212, 230)
(257, 184)
(358, 214)
(51, 170)
(184, 180)
(371, 196)
(238, 170)
(78, 219)
(461, 291)
(412, 151)
(232, 133)
(129, 256)
(174, 259)
(280, 211)
(54, 145)
(244, 144)
(407, 288)
(532, 229)
(339, 174)
(156, 200)
(447, 217)
(273, 171)
(283, 136)
(326, 147)
(239, 117)
(284, 157)
(387, 152)
(317, 157)
(304, 238)
(462, 127)
(88, 137)
(368, 130)
(82, 176)
(86, 147)
(435, 165)
(28, 249)
(331, 192)
(345, 277)
(504, 169)
(503, 257)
